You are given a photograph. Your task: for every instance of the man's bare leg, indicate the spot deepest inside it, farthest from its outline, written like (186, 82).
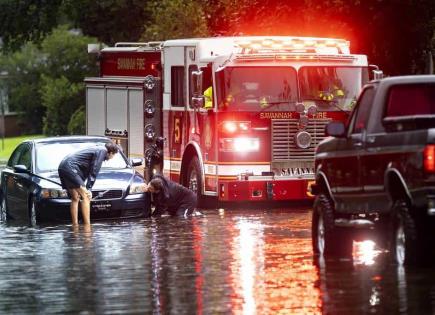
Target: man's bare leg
(85, 205)
(74, 207)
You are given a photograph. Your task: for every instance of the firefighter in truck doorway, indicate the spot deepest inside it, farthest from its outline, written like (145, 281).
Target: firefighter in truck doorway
(171, 197)
(81, 166)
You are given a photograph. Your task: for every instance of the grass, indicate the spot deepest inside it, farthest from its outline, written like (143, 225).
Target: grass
(11, 143)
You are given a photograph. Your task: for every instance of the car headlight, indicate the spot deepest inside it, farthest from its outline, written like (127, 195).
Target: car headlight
(137, 188)
(53, 193)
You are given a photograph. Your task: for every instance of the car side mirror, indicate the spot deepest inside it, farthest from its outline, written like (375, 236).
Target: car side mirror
(20, 169)
(335, 129)
(136, 162)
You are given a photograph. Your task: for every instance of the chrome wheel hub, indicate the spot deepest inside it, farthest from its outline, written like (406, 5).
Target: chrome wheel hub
(193, 181)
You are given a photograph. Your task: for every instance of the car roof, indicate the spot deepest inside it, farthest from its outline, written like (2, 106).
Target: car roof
(66, 139)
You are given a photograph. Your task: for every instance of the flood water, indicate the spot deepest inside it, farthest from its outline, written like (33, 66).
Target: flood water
(225, 262)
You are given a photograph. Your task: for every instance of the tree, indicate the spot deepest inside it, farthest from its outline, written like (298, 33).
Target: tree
(108, 20)
(27, 20)
(189, 22)
(395, 34)
(24, 69)
(48, 81)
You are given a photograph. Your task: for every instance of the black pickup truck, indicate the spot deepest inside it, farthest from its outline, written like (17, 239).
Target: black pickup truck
(376, 173)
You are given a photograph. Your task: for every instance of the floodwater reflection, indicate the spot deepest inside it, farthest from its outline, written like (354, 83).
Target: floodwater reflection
(225, 262)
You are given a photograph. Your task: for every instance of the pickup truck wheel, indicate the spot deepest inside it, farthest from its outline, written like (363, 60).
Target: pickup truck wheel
(407, 247)
(328, 240)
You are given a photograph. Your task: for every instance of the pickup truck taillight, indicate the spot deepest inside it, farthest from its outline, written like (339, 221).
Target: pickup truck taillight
(429, 158)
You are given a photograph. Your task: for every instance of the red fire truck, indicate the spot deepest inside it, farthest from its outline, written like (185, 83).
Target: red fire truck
(241, 115)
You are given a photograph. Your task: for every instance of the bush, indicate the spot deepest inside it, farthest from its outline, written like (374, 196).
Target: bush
(61, 99)
(77, 123)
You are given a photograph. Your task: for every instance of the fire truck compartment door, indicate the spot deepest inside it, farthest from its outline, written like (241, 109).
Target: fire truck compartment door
(95, 123)
(136, 122)
(117, 111)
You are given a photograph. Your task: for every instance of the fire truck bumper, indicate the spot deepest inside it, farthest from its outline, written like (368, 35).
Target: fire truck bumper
(264, 190)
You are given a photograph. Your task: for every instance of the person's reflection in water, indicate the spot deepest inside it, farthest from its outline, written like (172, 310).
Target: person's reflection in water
(177, 262)
(81, 271)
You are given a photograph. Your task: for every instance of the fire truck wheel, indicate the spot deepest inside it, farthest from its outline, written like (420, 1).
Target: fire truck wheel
(193, 179)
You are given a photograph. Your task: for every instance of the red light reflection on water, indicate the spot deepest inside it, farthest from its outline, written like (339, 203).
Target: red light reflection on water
(272, 273)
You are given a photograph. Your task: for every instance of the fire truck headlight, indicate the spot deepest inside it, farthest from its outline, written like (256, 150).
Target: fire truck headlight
(150, 109)
(150, 132)
(240, 144)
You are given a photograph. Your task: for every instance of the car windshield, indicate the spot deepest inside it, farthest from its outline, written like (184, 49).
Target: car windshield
(257, 88)
(331, 88)
(49, 155)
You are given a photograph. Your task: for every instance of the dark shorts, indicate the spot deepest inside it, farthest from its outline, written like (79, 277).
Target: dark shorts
(69, 179)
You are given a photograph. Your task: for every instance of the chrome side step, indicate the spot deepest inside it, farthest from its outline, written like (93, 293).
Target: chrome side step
(357, 223)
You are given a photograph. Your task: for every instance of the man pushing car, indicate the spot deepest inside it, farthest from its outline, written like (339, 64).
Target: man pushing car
(80, 167)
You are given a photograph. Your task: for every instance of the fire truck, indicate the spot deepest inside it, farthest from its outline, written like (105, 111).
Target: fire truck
(241, 116)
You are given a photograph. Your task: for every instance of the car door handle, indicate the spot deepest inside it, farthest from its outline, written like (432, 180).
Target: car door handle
(358, 144)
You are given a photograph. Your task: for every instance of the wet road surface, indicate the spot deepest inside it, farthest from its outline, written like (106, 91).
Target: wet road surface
(256, 261)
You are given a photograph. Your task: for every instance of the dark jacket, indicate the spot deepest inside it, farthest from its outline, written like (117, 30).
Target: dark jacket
(86, 163)
(173, 197)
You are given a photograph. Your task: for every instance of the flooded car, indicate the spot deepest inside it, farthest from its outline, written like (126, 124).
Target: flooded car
(31, 189)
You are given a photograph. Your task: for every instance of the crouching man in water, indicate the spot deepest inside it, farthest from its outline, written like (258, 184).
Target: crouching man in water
(172, 197)
(81, 166)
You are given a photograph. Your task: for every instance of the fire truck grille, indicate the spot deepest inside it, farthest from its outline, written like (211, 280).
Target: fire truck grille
(283, 142)
(109, 194)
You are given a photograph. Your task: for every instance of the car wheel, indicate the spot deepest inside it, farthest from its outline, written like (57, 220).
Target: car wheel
(193, 179)
(3, 210)
(33, 213)
(407, 246)
(328, 240)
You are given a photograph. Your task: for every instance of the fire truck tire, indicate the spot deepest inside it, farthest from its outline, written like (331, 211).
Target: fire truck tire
(193, 179)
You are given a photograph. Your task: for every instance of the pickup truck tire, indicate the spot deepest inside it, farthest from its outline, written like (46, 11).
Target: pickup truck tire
(328, 240)
(407, 248)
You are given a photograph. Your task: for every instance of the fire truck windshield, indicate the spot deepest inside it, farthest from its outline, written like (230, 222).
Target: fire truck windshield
(257, 88)
(331, 88)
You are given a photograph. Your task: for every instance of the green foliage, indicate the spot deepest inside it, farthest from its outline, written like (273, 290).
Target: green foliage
(175, 19)
(48, 81)
(66, 55)
(26, 20)
(77, 123)
(24, 69)
(108, 20)
(60, 98)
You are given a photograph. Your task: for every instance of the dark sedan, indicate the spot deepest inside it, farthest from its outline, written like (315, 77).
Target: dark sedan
(31, 190)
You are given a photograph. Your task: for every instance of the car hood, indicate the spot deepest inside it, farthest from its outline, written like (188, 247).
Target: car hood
(106, 179)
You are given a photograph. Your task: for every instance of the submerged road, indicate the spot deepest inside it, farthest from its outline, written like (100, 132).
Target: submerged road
(256, 261)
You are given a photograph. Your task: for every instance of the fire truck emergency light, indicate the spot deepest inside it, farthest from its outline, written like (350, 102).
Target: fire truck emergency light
(294, 44)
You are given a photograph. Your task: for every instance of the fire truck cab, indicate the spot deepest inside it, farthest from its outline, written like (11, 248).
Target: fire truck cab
(241, 115)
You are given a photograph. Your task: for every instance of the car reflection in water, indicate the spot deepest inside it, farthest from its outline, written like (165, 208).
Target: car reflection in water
(31, 187)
